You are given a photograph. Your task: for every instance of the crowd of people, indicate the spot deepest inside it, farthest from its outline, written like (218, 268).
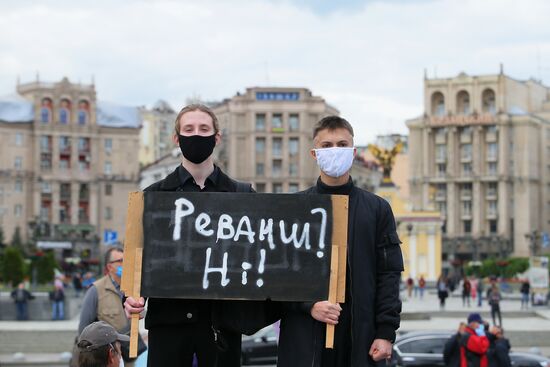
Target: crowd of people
(477, 344)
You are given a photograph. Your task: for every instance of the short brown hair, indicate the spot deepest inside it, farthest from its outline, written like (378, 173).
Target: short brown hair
(107, 256)
(197, 107)
(332, 123)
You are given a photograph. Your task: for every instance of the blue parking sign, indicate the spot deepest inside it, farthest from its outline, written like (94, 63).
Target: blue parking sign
(110, 237)
(545, 239)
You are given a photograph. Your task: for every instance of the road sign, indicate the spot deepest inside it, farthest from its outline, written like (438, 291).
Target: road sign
(110, 237)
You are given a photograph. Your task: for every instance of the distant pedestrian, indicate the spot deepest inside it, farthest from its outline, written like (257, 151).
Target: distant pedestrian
(494, 297)
(442, 291)
(421, 286)
(525, 292)
(77, 284)
(480, 288)
(21, 297)
(89, 279)
(57, 296)
(499, 348)
(410, 285)
(451, 351)
(466, 291)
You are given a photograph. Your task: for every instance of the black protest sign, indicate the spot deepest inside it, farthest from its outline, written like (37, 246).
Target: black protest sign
(236, 246)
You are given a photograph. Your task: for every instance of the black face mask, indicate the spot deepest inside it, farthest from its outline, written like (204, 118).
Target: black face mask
(197, 148)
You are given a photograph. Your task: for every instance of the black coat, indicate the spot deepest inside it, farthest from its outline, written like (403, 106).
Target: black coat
(499, 352)
(451, 351)
(374, 270)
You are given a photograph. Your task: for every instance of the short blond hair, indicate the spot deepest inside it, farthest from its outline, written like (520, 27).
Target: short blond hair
(197, 107)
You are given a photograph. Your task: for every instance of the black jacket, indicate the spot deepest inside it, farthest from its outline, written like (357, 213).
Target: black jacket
(163, 312)
(499, 352)
(451, 351)
(374, 270)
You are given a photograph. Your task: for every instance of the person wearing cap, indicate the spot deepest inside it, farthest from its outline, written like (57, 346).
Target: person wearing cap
(99, 346)
(474, 343)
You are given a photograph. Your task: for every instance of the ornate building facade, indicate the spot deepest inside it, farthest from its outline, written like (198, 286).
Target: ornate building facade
(480, 155)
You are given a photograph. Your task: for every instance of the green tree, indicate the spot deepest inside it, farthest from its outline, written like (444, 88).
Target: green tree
(13, 266)
(1, 237)
(16, 240)
(45, 266)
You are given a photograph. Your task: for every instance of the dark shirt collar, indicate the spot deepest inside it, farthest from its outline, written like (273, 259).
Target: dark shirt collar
(185, 176)
(344, 189)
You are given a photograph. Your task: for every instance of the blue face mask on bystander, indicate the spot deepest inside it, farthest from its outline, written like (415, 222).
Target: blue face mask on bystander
(119, 271)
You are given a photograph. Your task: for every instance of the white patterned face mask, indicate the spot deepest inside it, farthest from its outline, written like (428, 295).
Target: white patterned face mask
(336, 161)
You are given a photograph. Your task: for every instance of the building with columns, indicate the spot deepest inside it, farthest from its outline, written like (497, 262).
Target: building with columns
(267, 137)
(480, 155)
(68, 163)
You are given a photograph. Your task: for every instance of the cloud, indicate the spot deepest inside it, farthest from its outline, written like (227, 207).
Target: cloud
(367, 58)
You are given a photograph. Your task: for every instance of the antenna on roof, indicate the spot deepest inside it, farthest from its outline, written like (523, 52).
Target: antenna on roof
(538, 65)
(501, 68)
(37, 77)
(425, 73)
(93, 80)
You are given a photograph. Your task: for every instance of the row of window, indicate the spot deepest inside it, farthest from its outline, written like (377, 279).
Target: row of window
(463, 106)
(277, 123)
(277, 168)
(64, 111)
(466, 152)
(277, 146)
(277, 187)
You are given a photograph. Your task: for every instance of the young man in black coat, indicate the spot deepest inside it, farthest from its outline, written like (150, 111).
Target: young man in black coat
(179, 328)
(367, 321)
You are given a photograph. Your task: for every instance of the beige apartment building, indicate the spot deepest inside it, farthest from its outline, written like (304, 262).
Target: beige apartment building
(68, 163)
(156, 132)
(480, 155)
(267, 136)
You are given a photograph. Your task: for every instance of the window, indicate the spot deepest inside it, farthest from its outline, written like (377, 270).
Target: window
(441, 191)
(18, 139)
(493, 226)
(438, 104)
(18, 164)
(492, 208)
(293, 122)
(488, 101)
(83, 144)
(492, 129)
(83, 110)
(64, 145)
(64, 111)
(492, 189)
(18, 185)
(46, 110)
(18, 210)
(466, 132)
(108, 144)
(466, 169)
(108, 189)
(45, 143)
(467, 208)
(108, 214)
(260, 122)
(463, 103)
(277, 122)
(466, 191)
(260, 187)
(293, 169)
(45, 187)
(64, 164)
(466, 152)
(293, 187)
(108, 169)
(260, 145)
(277, 167)
(425, 346)
(441, 152)
(441, 169)
(467, 226)
(492, 151)
(492, 168)
(442, 207)
(293, 145)
(277, 148)
(260, 169)
(277, 188)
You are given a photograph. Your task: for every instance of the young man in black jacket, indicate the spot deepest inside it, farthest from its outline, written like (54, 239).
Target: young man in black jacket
(179, 328)
(367, 321)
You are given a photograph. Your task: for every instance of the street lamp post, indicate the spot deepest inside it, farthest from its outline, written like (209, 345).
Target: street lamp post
(533, 238)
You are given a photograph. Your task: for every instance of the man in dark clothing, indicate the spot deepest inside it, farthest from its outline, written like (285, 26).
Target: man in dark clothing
(179, 328)
(451, 351)
(21, 297)
(366, 322)
(499, 348)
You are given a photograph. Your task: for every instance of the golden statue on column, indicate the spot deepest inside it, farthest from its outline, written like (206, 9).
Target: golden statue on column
(386, 158)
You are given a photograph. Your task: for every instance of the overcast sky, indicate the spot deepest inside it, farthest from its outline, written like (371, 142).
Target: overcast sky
(367, 58)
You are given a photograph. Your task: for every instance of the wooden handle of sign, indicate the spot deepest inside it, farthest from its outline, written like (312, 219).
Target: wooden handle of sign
(134, 326)
(332, 292)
